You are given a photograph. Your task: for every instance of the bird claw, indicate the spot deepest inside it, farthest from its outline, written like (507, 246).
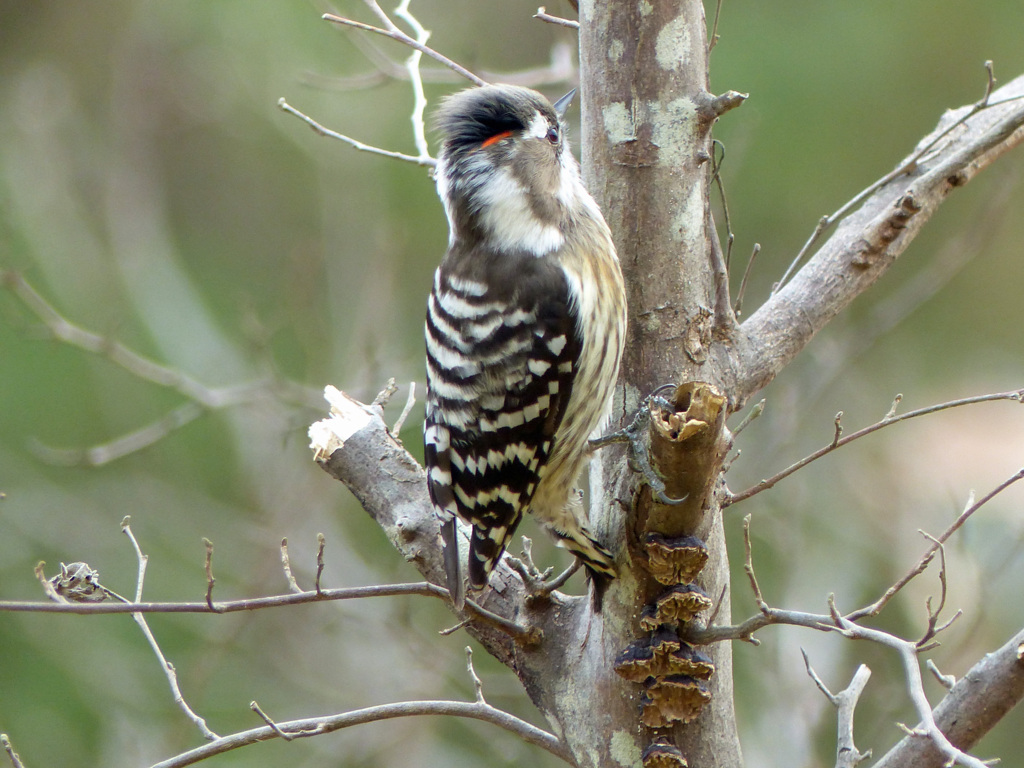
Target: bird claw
(635, 434)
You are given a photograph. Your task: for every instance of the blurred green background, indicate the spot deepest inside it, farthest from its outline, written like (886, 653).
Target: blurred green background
(152, 192)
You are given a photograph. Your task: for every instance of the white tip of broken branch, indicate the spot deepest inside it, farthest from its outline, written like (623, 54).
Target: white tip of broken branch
(348, 416)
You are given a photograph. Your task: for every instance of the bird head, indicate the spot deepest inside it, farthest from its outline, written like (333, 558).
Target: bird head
(505, 172)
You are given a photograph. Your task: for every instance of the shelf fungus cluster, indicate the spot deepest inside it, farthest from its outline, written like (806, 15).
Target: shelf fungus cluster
(662, 754)
(688, 442)
(673, 673)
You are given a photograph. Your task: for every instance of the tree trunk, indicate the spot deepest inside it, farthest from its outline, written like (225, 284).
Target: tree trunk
(646, 158)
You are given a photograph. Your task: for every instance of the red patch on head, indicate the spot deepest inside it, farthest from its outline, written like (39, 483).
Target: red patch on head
(496, 138)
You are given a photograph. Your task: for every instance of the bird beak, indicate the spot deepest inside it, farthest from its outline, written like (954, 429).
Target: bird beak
(562, 105)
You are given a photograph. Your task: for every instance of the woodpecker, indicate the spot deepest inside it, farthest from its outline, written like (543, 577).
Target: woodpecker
(524, 332)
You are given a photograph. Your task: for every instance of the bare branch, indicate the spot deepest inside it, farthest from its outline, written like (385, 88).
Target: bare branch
(561, 68)
(523, 634)
(769, 615)
(713, 37)
(869, 240)
(754, 413)
(907, 166)
(314, 726)
(926, 558)
(979, 700)
(228, 606)
(818, 681)
(847, 755)
(132, 442)
(888, 420)
(201, 397)
(839, 430)
(933, 614)
(907, 651)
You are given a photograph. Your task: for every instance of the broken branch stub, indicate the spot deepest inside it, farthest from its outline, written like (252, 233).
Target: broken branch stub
(688, 445)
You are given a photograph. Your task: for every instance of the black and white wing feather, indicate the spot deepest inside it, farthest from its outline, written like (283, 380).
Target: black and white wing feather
(501, 359)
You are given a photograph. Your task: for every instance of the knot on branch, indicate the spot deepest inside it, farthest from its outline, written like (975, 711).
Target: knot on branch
(885, 229)
(711, 107)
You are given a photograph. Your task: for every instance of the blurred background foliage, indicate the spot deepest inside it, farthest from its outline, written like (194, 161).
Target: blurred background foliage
(151, 191)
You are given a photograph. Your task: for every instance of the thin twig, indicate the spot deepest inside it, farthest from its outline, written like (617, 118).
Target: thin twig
(230, 606)
(738, 308)
(560, 69)
(412, 66)
(168, 668)
(409, 403)
(126, 529)
(926, 558)
(839, 429)
(543, 15)
(933, 615)
(426, 162)
(818, 681)
(9, 749)
(129, 443)
(454, 628)
(478, 686)
(1013, 395)
(384, 396)
(713, 38)
(286, 563)
(210, 581)
(255, 707)
(321, 544)
(716, 179)
(768, 615)
(396, 34)
(524, 634)
(946, 681)
(752, 414)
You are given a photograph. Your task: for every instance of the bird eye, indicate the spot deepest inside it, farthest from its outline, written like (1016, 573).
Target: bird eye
(552, 135)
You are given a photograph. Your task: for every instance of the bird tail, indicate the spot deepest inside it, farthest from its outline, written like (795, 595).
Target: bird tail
(595, 558)
(452, 569)
(592, 554)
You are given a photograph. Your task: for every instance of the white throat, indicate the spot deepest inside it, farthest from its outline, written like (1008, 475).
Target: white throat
(502, 204)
